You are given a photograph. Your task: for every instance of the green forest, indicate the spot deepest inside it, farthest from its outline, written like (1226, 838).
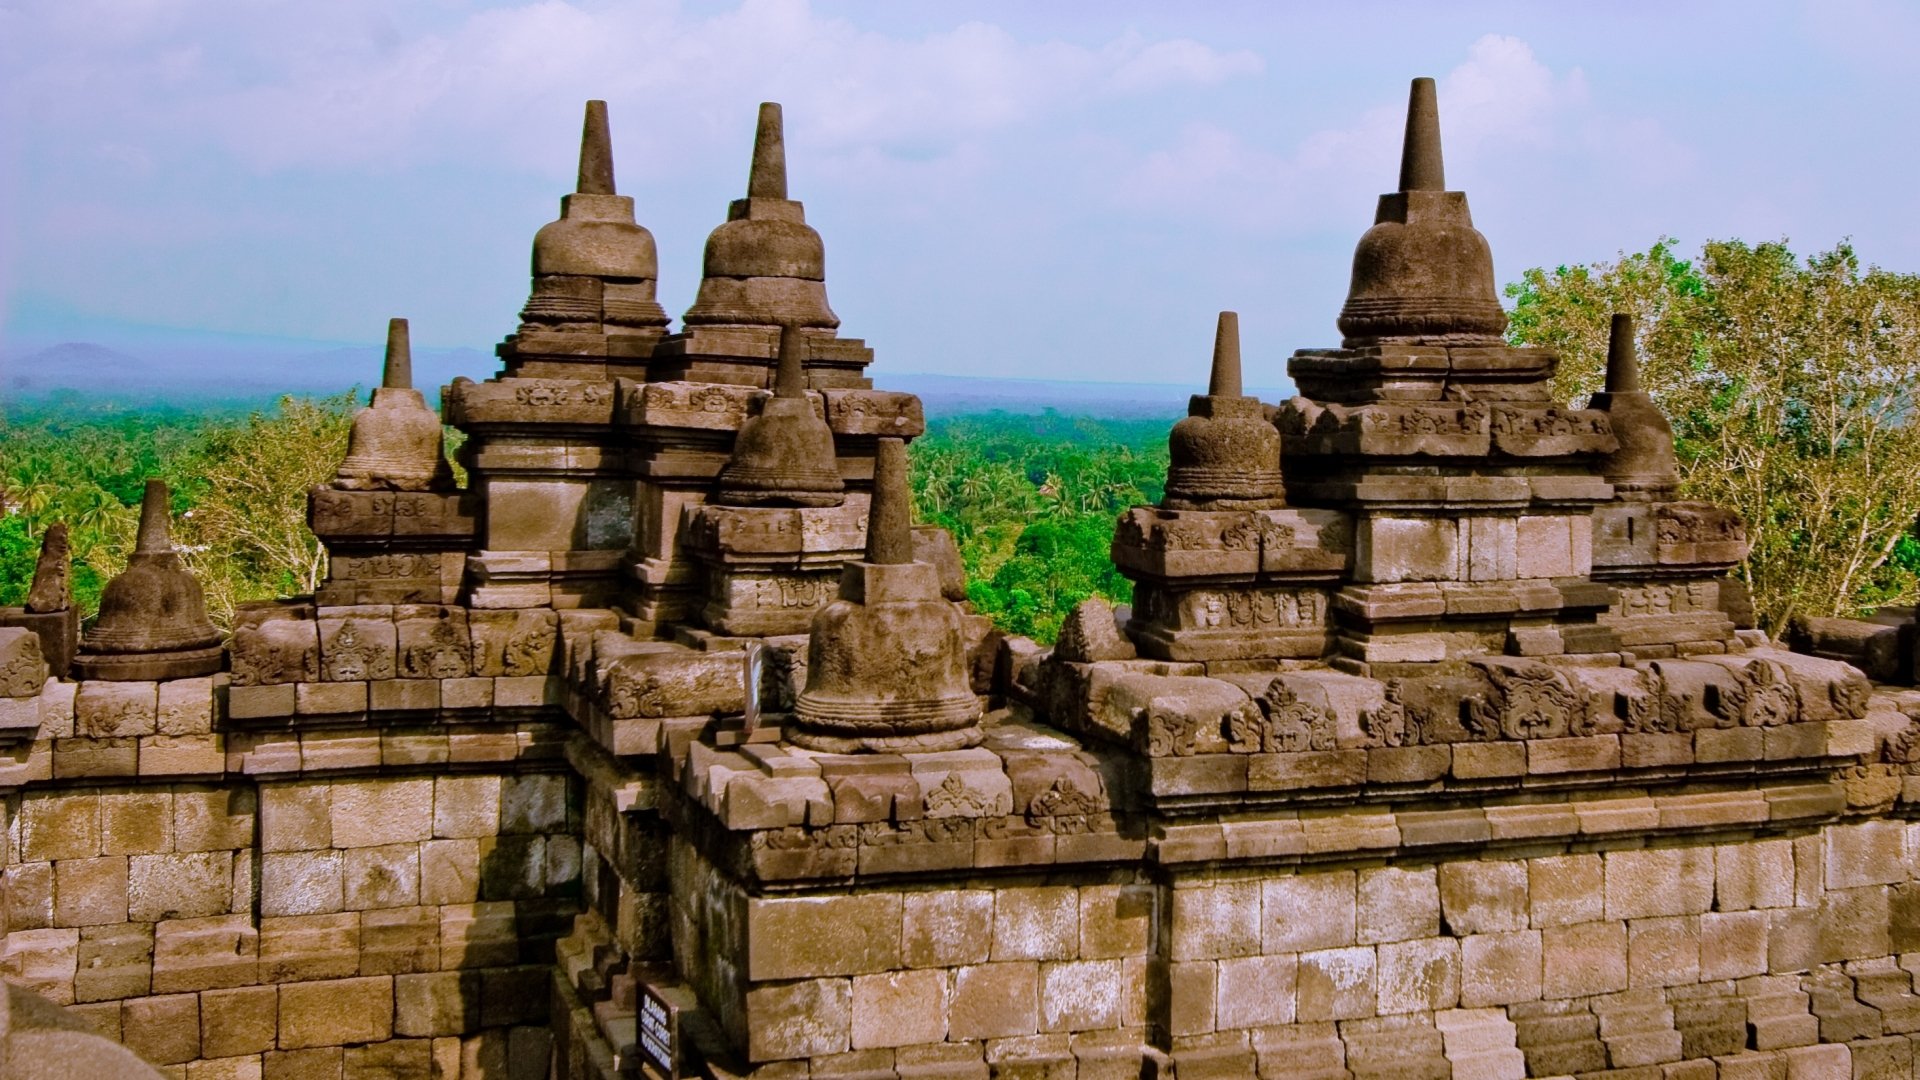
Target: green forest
(1787, 379)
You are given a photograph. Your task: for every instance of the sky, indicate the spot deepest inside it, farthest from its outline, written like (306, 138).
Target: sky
(1063, 190)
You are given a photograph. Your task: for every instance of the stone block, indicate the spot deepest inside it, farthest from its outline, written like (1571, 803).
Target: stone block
(436, 1003)
(1116, 920)
(1308, 911)
(335, 1012)
(1484, 897)
(330, 698)
(295, 816)
(65, 825)
(357, 648)
(26, 896)
(205, 954)
(1217, 919)
(318, 1063)
(268, 651)
(1583, 959)
(264, 702)
(1659, 881)
(449, 871)
(114, 962)
(1335, 984)
(309, 947)
(1079, 995)
(1418, 976)
(898, 1008)
(947, 927)
(369, 813)
(1500, 968)
(534, 803)
(1869, 853)
(1396, 904)
(1566, 889)
(784, 938)
(381, 877)
(90, 892)
(1407, 549)
(243, 1020)
(1663, 951)
(1733, 944)
(433, 642)
(1255, 991)
(995, 1000)
(301, 882)
(164, 1029)
(189, 885)
(1754, 874)
(798, 1019)
(1036, 923)
(399, 941)
(136, 822)
(113, 710)
(185, 707)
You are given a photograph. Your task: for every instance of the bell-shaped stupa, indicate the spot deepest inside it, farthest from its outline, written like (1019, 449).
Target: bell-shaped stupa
(1644, 465)
(1423, 274)
(595, 267)
(396, 442)
(783, 455)
(887, 665)
(153, 616)
(765, 264)
(1226, 453)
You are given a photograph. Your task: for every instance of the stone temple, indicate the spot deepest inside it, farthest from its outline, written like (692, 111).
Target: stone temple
(1436, 741)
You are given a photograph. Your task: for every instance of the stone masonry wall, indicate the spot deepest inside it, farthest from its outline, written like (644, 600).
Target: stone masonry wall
(1733, 950)
(289, 903)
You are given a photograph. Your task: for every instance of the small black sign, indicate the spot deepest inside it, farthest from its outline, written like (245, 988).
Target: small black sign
(658, 1024)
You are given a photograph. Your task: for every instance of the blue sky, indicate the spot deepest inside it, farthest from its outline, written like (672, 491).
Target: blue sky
(1064, 190)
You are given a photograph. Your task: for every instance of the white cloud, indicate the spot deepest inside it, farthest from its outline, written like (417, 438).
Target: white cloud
(352, 90)
(1499, 105)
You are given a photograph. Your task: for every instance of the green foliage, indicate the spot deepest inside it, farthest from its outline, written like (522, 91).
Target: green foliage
(1031, 501)
(1789, 384)
(238, 482)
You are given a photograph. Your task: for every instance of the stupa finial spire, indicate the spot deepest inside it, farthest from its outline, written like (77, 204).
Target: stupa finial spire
(1421, 167)
(1623, 364)
(596, 153)
(1225, 381)
(156, 531)
(890, 517)
(790, 378)
(768, 180)
(398, 371)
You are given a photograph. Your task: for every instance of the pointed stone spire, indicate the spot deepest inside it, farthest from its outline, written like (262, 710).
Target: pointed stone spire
(890, 519)
(397, 374)
(1422, 274)
(1644, 466)
(153, 616)
(1225, 455)
(396, 443)
(594, 269)
(768, 177)
(783, 455)
(1623, 365)
(1226, 357)
(51, 590)
(1421, 168)
(765, 266)
(156, 521)
(790, 378)
(596, 153)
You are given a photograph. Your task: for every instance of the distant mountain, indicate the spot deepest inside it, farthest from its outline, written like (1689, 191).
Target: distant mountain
(181, 373)
(188, 369)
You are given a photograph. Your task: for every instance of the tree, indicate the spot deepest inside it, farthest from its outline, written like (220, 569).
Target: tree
(1789, 384)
